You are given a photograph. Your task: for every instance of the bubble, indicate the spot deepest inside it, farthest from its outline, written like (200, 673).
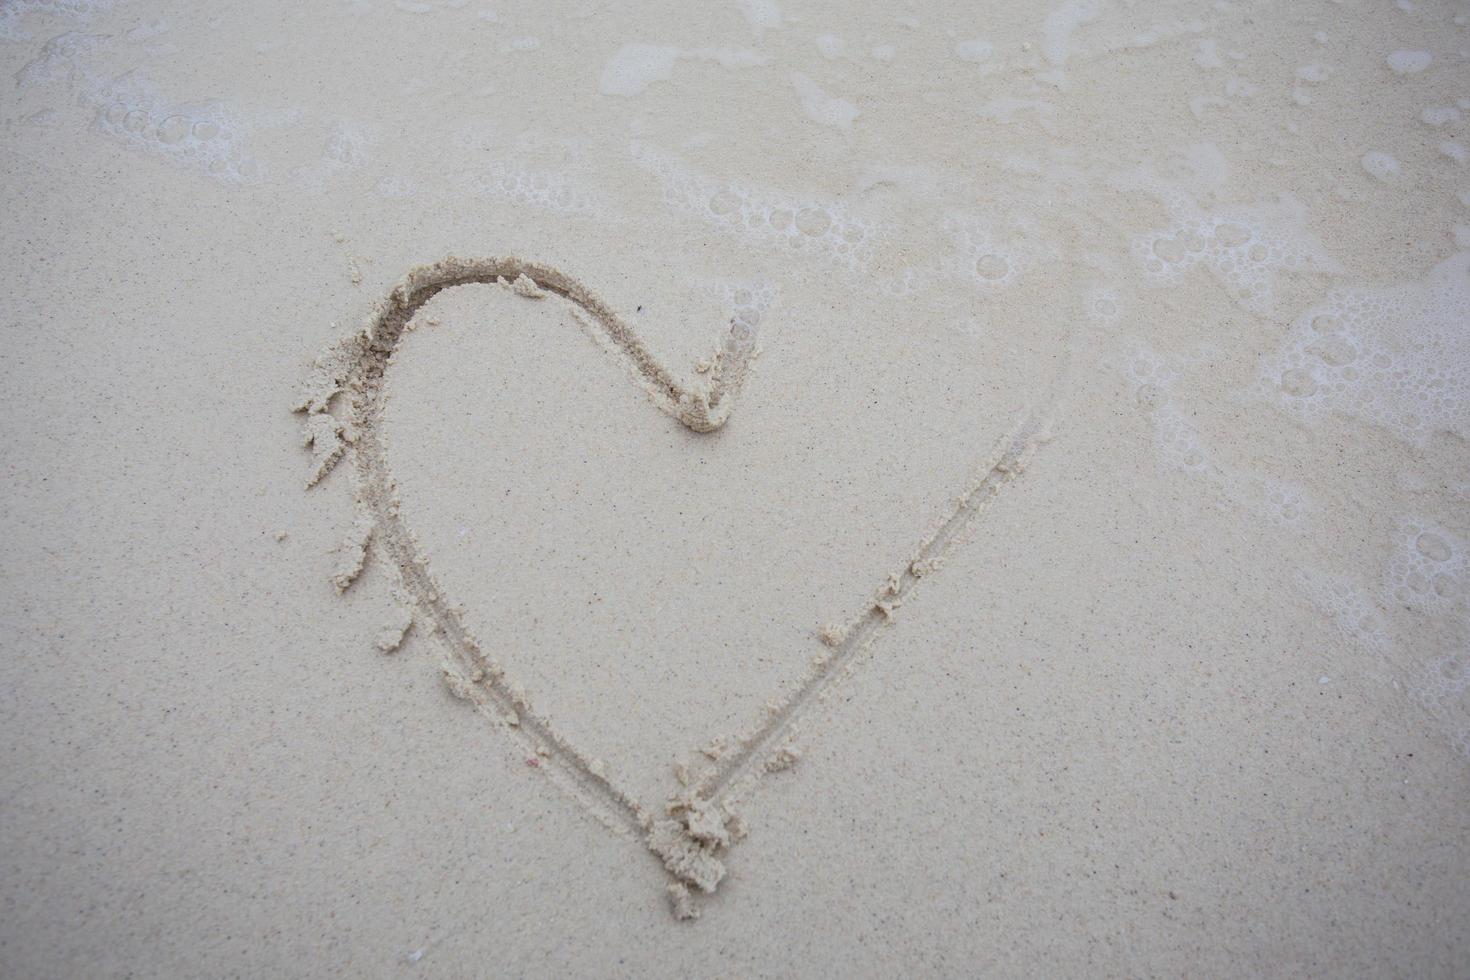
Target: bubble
(1380, 165)
(1169, 249)
(1409, 62)
(115, 113)
(395, 185)
(1439, 115)
(1326, 323)
(991, 266)
(723, 203)
(1335, 351)
(1258, 253)
(1295, 381)
(813, 222)
(1148, 396)
(173, 129)
(976, 50)
(1446, 586)
(830, 46)
(134, 121)
(205, 130)
(1432, 546)
(1232, 236)
(761, 213)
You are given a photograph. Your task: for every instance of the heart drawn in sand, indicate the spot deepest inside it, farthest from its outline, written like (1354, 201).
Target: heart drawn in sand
(700, 823)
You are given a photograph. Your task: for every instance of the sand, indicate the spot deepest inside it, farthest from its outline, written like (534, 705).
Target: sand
(771, 489)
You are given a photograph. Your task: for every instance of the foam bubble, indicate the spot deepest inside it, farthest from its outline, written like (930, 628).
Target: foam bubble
(1102, 305)
(975, 50)
(12, 10)
(1405, 62)
(175, 128)
(1207, 54)
(831, 46)
(346, 148)
(984, 256)
(1059, 26)
(1003, 109)
(1245, 246)
(1179, 445)
(397, 185)
(992, 267)
(202, 136)
(762, 215)
(1442, 687)
(1397, 357)
(813, 222)
(58, 58)
(1298, 383)
(549, 189)
(724, 203)
(761, 15)
(1422, 585)
(1350, 608)
(1429, 568)
(1440, 115)
(206, 137)
(1380, 166)
(1334, 351)
(427, 6)
(749, 301)
(1433, 547)
(821, 107)
(634, 67)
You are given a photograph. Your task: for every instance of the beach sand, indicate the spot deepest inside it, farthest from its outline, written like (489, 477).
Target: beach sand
(765, 490)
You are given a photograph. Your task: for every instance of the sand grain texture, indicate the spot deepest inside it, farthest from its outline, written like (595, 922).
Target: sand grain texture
(1077, 582)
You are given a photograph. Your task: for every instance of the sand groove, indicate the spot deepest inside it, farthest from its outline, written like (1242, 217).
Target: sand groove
(700, 823)
(763, 746)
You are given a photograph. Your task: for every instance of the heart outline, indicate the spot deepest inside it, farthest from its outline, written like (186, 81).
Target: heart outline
(700, 822)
